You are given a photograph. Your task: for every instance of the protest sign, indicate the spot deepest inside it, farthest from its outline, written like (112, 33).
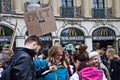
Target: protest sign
(40, 21)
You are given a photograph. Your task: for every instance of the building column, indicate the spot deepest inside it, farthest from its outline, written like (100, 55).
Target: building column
(23, 5)
(56, 7)
(117, 44)
(116, 7)
(77, 2)
(20, 41)
(86, 8)
(18, 6)
(88, 42)
(108, 3)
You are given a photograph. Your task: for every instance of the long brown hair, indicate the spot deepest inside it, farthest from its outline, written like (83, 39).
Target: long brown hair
(53, 52)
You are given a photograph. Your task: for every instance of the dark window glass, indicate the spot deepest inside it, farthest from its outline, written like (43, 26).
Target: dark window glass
(67, 3)
(5, 31)
(5, 6)
(72, 36)
(72, 32)
(99, 10)
(103, 32)
(5, 36)
(98, 4)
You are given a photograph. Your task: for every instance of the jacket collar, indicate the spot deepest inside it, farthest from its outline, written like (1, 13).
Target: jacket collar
(31, 52)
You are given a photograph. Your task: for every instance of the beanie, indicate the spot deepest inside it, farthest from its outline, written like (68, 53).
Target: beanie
(92, 54)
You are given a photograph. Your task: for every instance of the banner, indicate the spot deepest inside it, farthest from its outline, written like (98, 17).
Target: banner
(40, 21)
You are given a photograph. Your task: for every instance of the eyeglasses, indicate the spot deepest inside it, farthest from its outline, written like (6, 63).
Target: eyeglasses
(59, 55)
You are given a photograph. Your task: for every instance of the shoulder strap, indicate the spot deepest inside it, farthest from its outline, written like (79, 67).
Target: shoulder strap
(79, 74)
(6, 73)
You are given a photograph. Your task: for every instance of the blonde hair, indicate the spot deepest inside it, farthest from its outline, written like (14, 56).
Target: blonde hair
(53, 52)
(111, 53)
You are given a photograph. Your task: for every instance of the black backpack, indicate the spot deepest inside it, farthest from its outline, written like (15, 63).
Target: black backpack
(5, 75)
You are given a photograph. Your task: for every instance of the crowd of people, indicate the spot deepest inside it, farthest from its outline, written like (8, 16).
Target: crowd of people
(73, 62)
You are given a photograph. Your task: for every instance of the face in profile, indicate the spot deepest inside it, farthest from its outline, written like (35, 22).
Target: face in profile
(36, 47)
(95, 61)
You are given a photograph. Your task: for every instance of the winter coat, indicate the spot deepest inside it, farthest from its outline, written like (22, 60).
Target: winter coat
(106, 71)
(23, 68)
(60, 74)
(75, 76)
(78, 76)
(115, 69)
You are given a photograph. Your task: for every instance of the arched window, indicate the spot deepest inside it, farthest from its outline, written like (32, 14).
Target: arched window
(102, 37)
(72, 32)
(104, 33)
(71, 35)
(5, 31)
(5, 36)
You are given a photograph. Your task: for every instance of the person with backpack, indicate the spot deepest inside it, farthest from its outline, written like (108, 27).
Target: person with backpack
(20, 66)
(114, 64)
(80, 59)
(85, 68)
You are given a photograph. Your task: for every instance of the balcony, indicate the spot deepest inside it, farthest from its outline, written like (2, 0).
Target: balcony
(102, 13)
(5, 6)
(98, 13)
(70, 12)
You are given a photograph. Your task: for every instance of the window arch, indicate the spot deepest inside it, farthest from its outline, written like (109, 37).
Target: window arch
(103, 33)
(72, 32)
(5, 36)
(5, 31)
(71, 35)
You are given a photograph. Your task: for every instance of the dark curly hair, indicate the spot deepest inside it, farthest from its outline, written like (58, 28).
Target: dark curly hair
(82, 55)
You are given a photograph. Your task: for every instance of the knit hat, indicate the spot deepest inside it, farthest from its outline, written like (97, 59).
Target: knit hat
(45, 52)
(92, 54)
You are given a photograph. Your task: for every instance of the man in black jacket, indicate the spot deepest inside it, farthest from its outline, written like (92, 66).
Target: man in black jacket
(23, 67)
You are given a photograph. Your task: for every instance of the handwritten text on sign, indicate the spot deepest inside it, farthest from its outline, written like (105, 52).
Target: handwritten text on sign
(40, 22)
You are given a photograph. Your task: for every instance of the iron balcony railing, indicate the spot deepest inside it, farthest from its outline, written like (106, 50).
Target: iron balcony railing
(5, 6)
(102, 13)
(70, 12)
